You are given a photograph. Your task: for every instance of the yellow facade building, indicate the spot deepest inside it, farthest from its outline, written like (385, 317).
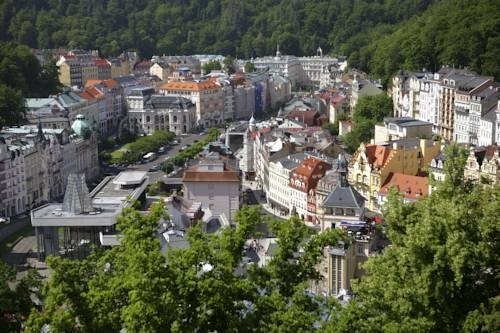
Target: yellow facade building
(371, 164)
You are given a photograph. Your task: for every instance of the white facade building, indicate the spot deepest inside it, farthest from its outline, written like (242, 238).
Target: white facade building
(280, 194)
(35, 163)
(149, 113)
(214, 185)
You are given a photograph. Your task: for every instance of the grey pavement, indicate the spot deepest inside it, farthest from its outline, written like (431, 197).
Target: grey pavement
(173, 150)
(13, 227)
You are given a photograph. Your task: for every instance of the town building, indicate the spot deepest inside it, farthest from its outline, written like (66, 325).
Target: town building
(206, 95)
(44, 157)
(455, 101)
(461, 83)
(213, 184)
(339, 105)
(244, 99)
(363, 88)
(279, 195)
(475, 114)
(78, 66)
(110, 98)
(13, 198)
(343, 263)
(318, 70)
(286, 65)
(483, 165)
(394, 129)
(343, 202)
(303, 181)
(149, 112)
(161, 69)
(411, 188)
(84, 219)
(371, 164)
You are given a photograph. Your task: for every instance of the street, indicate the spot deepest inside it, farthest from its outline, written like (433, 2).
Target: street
(184, 140)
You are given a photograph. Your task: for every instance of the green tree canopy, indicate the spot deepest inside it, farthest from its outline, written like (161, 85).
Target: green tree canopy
(369, 111)
(441, 273)
(211, 66)
(22, 76)
(199, 288)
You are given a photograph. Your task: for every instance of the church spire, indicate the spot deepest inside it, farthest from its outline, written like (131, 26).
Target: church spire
(342, 169)
(40, 136)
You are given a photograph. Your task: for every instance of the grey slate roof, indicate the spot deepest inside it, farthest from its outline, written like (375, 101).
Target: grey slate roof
(168, 102)
(344, 197)
(141, 91)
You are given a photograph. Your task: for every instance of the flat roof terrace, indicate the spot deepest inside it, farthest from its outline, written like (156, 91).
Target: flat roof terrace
(51, 215)
(108, 200)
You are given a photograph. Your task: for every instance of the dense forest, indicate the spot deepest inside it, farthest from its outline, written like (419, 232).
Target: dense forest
(21, 75)
(378, 36)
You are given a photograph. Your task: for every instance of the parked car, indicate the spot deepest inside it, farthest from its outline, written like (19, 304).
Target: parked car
(161, 150)
(154, 168)
(4, 220)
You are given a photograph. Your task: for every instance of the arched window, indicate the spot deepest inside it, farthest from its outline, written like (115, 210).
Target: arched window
(175, 119)
(148, 119)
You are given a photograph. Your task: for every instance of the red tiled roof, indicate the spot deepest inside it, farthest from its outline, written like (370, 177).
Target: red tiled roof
(190, 85)
(109, 83)
(91, 93)
(102, 63)
(377, 155)
(307, 117)
(412, 187)
(309, 172)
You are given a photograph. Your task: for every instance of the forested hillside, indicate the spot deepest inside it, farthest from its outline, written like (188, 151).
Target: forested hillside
(378, 36)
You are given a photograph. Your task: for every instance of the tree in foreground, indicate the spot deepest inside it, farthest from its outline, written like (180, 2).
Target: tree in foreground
(441, 273)
(16, 297)
(200, 288)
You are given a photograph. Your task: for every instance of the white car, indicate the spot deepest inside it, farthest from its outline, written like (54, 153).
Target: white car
(5, 220)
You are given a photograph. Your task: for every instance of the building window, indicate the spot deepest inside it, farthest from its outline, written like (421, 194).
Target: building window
(210, 196)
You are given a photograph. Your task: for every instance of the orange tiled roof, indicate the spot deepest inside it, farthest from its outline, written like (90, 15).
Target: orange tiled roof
(189, 85)
(412, 187)
(377, 155)
(91, 93)
(109, 83)
(92, 82)
(309, 172)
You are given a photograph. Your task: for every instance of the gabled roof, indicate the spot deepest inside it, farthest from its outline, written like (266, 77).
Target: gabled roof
(346, 197)
(308, 173)
(102, 63)
(377, 155)
(412, 187)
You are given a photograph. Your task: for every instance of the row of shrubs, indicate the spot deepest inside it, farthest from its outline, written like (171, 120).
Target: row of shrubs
(190, 152)
(133, 151)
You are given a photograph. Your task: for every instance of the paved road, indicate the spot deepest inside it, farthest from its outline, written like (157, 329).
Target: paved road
(184, 141)
(12, 228)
